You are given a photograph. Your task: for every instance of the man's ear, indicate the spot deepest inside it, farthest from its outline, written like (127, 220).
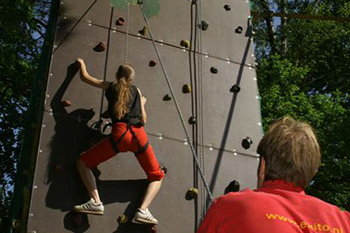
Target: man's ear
(261, 171)
(262, 167)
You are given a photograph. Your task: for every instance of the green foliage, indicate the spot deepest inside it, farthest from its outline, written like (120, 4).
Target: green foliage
(309, 80)
(21, 26)
(150, 7)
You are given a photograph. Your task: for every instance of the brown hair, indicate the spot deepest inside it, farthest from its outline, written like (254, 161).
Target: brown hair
(122, 85)
(291, 152)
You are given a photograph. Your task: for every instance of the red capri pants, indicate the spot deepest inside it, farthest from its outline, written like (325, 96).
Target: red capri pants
(125, 138)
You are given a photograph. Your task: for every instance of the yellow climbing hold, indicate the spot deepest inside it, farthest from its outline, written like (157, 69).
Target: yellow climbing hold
(185, 43)
(122, 219)
(191, 194)
(186, 89)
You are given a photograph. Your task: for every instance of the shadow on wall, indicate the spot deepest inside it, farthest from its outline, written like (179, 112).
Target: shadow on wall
(72, 136)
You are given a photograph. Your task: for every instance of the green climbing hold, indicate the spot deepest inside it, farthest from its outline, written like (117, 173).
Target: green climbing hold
(144, 31)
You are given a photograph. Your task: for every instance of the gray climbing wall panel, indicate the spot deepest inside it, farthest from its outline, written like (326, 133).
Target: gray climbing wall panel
(68, 129)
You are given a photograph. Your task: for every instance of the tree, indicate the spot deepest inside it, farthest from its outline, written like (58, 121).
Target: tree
(302, 72)
(22, 27)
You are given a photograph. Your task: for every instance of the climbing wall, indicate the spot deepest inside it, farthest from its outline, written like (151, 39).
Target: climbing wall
(208, 42)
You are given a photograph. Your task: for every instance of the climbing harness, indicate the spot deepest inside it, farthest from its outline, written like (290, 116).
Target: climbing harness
(115, 143)
(177, 105)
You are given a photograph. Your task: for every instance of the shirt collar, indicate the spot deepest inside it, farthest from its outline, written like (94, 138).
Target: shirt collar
(281, 184)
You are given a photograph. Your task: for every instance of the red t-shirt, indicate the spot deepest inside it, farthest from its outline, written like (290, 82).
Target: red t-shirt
(276, 207)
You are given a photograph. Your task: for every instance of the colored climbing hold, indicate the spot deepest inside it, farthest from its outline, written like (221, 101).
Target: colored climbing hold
(120, 21)
(213, 70)
(57, 167)
(167, 97)
(204, 25)
(144, 31)
(186, 89)
(122, 219)
(227, 7)
(239, 30)
(234, 186)
(192, 120)
(101, 47)
(165, 169)
(185, 43)
(191, 194)
(246, 143)
(152, 63)
(66, 103)
(78, 219)
(109, 124)
(235, 89)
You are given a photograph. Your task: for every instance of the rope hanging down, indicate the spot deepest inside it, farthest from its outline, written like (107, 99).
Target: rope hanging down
(201, 100)
(176, 105)
(127, 34)
(99, 123)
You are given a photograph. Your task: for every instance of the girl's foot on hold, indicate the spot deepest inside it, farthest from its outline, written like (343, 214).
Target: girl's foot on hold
(90, 207)
(144, 217)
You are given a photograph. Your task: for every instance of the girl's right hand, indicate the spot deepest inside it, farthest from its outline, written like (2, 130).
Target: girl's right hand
(80, 62)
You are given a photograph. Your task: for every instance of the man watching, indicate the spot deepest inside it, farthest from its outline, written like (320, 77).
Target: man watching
(289, 159)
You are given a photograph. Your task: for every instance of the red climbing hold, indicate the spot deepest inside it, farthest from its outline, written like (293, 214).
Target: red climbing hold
(66, 103)
(101, 47)
(120, 21)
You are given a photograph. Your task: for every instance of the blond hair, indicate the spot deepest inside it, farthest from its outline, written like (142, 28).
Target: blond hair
(122, 85)
(291, 152)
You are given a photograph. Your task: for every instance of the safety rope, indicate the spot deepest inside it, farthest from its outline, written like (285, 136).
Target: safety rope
(176, 104)
(193, 78)
(200, 104)
(105, 68)
(127, 34)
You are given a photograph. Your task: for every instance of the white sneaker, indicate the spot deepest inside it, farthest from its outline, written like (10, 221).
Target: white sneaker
(144, 217)
(90, 207)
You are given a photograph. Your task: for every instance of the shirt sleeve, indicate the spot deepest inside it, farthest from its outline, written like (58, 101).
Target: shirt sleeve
(210, 221)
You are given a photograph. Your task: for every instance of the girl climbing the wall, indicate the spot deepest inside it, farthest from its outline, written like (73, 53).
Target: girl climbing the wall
(126, 106)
